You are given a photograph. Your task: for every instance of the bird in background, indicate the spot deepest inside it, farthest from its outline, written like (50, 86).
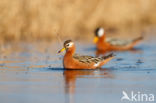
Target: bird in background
(113, 44)
(75, 61)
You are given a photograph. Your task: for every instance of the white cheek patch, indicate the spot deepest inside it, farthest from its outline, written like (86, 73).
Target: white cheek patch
(101, 32)
(71, 44)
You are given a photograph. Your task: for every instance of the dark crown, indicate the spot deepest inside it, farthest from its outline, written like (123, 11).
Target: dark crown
(96, 31)
(67, 41)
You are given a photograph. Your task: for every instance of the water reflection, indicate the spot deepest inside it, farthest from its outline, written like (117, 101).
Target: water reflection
(24, 72)
(70, 77)
(25, 55)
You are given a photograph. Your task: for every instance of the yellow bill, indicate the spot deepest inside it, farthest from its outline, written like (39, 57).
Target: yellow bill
(61, 50)
(95, 39)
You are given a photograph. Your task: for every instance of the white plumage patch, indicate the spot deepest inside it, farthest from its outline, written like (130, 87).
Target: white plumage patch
(100, 32)
(97, 64)
(70, 44)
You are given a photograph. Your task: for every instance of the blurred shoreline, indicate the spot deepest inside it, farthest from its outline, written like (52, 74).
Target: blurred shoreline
(27, 20)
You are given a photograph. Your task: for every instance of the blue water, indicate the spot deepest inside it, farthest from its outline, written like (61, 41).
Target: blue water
(33, 73)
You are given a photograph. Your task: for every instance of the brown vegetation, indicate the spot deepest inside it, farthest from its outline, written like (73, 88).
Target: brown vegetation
(44, 19)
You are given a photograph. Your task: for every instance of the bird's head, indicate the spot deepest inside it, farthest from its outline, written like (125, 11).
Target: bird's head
(99, 32)
(68, 45)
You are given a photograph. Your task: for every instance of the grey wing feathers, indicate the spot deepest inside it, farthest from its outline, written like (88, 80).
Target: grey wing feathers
(118, 42)
(87, 59)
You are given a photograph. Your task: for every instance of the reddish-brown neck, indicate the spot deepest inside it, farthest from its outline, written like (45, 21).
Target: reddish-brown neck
(102, 39)
(70, 51)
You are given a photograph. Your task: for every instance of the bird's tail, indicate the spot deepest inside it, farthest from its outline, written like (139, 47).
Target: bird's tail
(108, 56)
(106, 59)
(138, 39)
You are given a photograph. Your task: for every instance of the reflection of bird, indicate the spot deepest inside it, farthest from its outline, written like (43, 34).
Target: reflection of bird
(125, 96)
(110, 44)
(74, 61)
(70, 77)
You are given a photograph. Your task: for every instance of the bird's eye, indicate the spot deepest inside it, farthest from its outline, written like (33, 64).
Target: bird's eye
(67, 45)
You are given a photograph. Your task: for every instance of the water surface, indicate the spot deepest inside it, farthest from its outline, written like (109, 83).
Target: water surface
(33, 73)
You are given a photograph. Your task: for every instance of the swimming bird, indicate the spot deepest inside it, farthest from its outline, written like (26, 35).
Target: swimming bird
(112, 44)
(75, 61)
